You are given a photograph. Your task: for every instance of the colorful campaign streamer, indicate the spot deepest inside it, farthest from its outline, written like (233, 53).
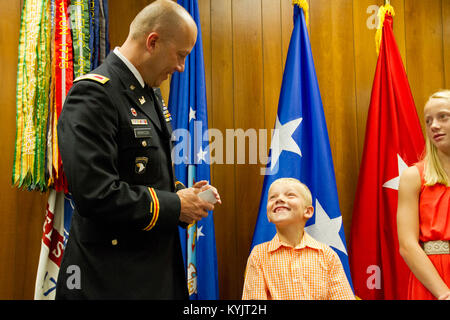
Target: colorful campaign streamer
(56, 43)
(33, 78)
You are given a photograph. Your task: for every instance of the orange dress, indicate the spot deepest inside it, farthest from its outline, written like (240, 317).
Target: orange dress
(434, 224)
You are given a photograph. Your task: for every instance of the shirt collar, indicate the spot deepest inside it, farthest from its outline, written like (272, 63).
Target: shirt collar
(130, 66)
(307, 241)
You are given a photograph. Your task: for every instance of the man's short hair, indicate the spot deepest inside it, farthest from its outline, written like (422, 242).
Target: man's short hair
(162, 16)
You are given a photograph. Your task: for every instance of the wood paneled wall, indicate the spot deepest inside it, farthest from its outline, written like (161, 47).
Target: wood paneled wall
(245, 45)
(21, 212)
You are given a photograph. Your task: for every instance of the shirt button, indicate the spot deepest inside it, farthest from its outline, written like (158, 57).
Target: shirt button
(144, 143)
(114, 242)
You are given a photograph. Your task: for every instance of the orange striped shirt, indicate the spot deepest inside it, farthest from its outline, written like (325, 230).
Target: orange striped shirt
(310, 271)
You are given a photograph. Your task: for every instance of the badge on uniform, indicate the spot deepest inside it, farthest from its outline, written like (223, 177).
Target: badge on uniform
(142, 100)
(139, 122)
(141, 165)
(167, 115)
(133, 112)
(140, 133)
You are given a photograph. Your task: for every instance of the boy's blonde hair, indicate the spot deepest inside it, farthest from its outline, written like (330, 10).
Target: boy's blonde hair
(434, 173)
(304, 191)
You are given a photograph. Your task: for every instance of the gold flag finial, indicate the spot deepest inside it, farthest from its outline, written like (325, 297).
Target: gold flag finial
(387, 8)
(304, 5)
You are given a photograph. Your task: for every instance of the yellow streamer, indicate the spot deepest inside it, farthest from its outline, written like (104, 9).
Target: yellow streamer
(304, 5)
(387, 8)
(32, 95)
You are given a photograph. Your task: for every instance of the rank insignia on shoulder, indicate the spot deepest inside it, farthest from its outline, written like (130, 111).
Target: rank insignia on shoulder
(92, 76)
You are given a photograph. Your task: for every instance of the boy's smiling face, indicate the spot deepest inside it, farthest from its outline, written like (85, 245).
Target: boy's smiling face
(286, 204)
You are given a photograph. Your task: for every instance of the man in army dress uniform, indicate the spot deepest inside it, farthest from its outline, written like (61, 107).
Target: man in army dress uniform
(115, 143)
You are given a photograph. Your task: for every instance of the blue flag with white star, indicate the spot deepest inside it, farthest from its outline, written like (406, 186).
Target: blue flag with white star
(301, 149)
(187, 104)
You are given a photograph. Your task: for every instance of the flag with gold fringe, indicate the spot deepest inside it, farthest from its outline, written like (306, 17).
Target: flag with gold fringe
(393, 141)
(300, 146)
(187, 104)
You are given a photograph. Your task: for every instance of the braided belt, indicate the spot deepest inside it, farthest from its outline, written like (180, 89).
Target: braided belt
(436, 247)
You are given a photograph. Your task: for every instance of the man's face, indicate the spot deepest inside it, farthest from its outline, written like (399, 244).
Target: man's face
(285, 204)
(170, 55)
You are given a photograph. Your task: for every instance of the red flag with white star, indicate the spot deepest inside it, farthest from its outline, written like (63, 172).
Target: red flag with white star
(394, 140)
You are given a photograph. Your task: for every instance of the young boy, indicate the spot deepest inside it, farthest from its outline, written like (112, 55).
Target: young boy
(293, 266)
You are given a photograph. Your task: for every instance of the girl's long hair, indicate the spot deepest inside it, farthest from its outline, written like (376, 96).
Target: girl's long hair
(434, 172)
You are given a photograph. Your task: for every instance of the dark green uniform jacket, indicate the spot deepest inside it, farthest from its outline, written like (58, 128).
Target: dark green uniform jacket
(114, 139)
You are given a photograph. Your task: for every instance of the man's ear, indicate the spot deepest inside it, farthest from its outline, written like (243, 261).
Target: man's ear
(309, 211)
(152, 40)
